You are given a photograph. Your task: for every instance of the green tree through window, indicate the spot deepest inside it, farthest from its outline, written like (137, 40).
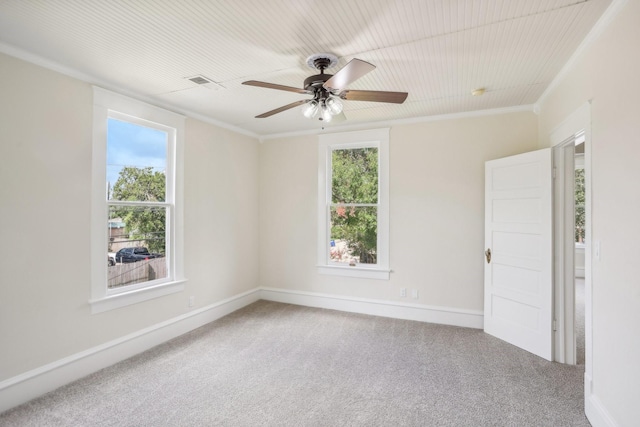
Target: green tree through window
(354, 209)
(143, 223)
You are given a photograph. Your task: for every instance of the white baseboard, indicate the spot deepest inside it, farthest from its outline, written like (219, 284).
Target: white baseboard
(596, 413)
(29, 385)
(419, 312)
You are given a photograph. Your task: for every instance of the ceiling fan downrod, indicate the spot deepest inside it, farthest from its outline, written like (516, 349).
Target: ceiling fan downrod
(322, 105)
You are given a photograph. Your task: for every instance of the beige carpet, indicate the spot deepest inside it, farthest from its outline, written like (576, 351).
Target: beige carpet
(273, 364)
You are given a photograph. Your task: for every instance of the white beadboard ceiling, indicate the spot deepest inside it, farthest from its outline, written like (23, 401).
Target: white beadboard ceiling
(436, 50)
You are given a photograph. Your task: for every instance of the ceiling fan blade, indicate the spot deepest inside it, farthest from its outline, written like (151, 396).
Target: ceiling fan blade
(351, 72)
(374, 96)
(274, 86)
(281, 109)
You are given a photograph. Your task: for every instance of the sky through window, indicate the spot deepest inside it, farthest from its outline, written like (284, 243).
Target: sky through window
(130, 144)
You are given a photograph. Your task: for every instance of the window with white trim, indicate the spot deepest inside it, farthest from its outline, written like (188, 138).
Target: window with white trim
(137, 202)
(353, 204)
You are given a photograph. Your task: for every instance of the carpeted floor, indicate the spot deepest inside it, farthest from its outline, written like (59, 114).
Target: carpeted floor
(273, 364)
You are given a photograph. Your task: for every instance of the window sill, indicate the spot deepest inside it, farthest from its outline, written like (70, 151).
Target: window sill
(362, 272)
(124, 299)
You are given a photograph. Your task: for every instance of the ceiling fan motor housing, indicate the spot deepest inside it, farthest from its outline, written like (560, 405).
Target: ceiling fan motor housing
(313, 83)
(320, 62)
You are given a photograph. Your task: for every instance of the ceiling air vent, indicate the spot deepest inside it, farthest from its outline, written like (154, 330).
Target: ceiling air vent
(199, 80)
(205, 82)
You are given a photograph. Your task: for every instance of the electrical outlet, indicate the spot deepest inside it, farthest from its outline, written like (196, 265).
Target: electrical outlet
(403, 292)
(414, 293)
(192, 301)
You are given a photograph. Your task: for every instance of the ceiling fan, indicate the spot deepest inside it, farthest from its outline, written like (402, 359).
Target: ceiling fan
(329, 90)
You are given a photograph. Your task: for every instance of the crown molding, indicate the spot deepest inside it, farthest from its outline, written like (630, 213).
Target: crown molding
(413, 120)
(87, 78)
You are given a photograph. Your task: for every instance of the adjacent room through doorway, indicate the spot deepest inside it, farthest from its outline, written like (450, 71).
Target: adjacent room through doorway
(579, 259)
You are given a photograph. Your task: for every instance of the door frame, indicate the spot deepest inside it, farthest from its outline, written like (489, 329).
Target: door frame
(577, 122)
(564, 251)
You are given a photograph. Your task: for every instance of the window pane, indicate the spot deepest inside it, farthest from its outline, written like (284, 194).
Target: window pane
(136, 162)
(137, 244)
(354, 175)
(579, 205)
(354, 234)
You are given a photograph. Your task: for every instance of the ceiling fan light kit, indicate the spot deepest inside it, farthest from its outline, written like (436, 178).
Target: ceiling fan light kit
(329, 90)
(310, 109)
(334, 105)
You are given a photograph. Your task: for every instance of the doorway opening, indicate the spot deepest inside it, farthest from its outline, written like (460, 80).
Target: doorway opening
(579, 241)
(572, 249)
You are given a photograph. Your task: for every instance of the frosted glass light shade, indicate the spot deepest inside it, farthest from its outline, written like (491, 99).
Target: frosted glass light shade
(310, 109)
(326, 114)
(334, 105)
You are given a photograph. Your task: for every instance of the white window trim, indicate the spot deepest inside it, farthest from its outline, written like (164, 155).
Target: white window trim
(109, 104)
(327, 143)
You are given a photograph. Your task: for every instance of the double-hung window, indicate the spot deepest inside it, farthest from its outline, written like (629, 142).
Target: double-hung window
(353, 204)
(136, 209)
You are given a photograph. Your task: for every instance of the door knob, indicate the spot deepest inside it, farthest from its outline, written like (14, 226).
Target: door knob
(487, 253)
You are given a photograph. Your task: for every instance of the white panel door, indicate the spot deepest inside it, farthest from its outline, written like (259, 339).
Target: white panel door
(518, 278)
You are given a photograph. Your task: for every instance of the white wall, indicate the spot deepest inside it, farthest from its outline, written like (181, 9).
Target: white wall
(607, 73)
(45, 184)
(221, 212)
(436, 205)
